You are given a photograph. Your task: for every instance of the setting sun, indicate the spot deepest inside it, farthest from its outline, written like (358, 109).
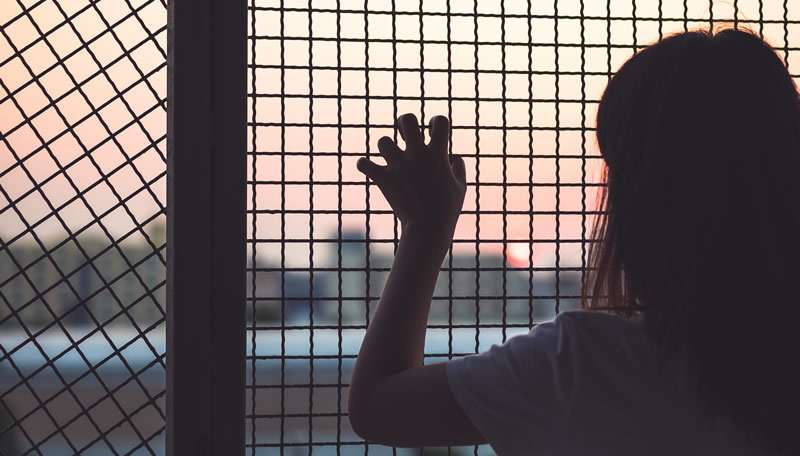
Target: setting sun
(519, 253)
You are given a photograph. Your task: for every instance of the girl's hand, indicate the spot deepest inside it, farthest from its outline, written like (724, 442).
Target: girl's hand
(424, 187)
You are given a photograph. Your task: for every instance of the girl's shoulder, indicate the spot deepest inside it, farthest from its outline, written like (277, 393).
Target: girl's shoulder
(575, 330)
(597, 317)
(599, 325)
(604, 339)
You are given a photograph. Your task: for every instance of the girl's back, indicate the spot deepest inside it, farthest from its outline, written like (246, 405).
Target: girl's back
(586, 383)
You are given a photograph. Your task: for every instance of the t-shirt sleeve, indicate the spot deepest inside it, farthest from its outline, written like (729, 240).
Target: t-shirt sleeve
(518, 394)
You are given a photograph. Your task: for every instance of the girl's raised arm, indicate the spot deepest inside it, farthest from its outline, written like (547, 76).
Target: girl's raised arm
(394, 398)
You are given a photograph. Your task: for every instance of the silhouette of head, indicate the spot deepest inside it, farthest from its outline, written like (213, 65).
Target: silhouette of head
(700, 134)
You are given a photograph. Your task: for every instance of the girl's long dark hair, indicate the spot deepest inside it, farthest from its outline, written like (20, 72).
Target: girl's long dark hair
(700, 134)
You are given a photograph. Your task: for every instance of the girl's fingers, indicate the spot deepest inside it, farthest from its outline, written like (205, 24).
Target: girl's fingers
(439, 131)
(372, 170)
(459, 169)
(389, 150)
(409, 130)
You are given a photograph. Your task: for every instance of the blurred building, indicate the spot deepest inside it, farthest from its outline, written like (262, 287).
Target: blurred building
(94, 281)
(473, 290)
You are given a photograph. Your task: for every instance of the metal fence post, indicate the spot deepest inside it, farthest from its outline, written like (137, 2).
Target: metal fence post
(206, 227)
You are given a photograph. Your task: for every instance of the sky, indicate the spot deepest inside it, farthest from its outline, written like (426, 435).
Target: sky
(139, 124)
(50, 86)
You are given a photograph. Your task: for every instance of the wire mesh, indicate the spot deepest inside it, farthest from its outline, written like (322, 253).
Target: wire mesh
(520, 82)
(82, 257)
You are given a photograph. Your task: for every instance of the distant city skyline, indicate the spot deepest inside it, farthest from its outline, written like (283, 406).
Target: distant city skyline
(528, 293)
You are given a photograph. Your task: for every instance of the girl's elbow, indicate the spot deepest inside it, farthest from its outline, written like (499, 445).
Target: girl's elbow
(357, 413)
(364, 420)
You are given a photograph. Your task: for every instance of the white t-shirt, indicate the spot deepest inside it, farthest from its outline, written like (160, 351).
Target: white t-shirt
(585, 383)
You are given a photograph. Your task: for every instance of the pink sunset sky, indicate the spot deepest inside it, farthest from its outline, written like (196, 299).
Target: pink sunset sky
(20, 99)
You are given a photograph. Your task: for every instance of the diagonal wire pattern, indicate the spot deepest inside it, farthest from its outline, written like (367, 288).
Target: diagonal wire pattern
(82, 238)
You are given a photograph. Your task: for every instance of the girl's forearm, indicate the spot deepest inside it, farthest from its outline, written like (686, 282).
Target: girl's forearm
(395, 338)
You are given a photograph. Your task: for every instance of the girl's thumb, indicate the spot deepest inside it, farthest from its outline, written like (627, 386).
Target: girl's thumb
(371, 169)
(459, 170)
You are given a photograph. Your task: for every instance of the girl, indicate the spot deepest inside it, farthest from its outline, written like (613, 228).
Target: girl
(687, 342)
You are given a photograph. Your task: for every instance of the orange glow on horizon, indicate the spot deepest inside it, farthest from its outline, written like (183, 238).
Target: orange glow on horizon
(519, 254)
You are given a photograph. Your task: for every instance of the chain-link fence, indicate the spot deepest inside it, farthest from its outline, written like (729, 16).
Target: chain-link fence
(82, 227)
(520, 81)
(82, 179)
